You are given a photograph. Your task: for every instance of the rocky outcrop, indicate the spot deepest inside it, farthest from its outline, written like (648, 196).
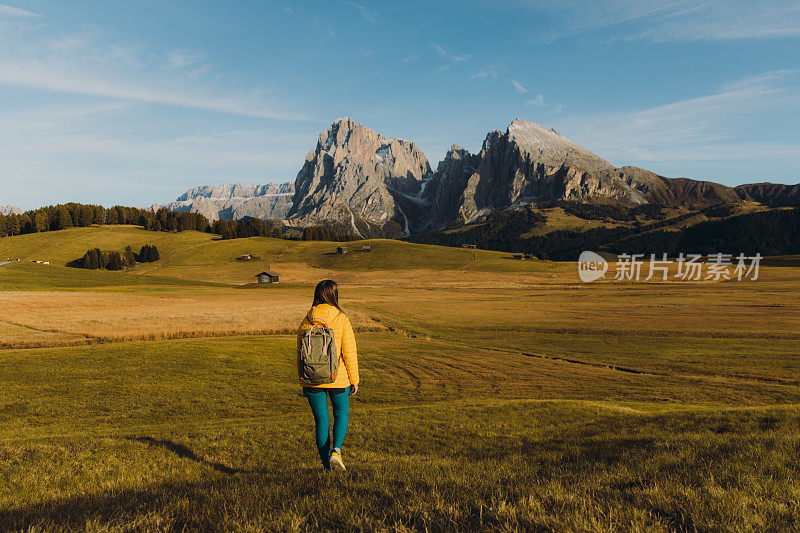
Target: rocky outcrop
(9, 210)
(362, 183)
(770, 194)
(528, 164)
(356, 173)
(231, 202)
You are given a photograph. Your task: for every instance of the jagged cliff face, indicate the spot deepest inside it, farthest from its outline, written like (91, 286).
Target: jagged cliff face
(356, 173)
(528, 164)
(233, 202)
(365, 184)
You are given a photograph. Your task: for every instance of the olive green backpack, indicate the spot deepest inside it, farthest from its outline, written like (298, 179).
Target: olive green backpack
(319, 358)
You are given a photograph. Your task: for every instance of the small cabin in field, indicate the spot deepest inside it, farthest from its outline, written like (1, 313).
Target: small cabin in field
(366, 248)
(268, 277)
(472, 246)
(341, 250)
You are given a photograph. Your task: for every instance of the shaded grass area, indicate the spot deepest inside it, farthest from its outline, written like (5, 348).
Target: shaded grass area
(212, 435)
(103, 389)
(19, 276)
(483, 464)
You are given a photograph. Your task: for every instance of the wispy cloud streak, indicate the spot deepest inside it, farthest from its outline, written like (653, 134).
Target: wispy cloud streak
(16, 12)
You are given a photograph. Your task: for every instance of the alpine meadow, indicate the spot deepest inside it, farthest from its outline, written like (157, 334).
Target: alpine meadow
(361, 266)
(497, 394)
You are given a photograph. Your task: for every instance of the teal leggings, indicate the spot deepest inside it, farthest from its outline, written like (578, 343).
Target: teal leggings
(340, 402)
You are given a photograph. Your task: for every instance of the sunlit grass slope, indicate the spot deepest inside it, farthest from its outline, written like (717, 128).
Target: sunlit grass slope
(202, 256)
(211, 435)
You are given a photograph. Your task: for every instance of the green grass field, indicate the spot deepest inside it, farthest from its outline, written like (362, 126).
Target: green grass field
(496, 394)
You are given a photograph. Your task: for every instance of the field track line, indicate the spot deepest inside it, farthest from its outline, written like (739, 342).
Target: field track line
(607, 366)
(125, 433)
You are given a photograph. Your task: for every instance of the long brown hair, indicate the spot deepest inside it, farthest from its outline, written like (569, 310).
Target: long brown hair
(327, 292)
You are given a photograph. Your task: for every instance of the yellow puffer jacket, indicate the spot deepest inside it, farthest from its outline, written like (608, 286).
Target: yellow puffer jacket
(345, 344)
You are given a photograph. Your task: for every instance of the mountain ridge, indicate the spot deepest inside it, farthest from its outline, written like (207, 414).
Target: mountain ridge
(10, 210)
(369, 184)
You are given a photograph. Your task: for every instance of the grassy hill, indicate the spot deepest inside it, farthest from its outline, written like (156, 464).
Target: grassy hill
(199, 256)
(496, 394)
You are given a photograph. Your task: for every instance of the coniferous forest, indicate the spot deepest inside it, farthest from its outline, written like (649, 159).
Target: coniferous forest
(73, 215)
(95, 258)
(774, 232)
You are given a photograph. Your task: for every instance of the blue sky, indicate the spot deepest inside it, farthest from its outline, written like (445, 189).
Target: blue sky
(134, 102)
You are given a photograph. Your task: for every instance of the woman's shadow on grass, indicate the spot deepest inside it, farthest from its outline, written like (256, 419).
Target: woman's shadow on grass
(186, 453)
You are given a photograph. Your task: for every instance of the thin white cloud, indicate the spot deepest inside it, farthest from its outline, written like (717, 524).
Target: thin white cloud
(16, 12)
(538, 101)
(670, 20)
(485, 72)
(518, 86)
(704, 128)
(446, 55)
(182, 58)
(68, 154)
(367, 14)
(81, 64)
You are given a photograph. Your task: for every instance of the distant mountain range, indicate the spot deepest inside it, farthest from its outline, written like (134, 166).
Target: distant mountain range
(369, 185)
(232, 202)
(10, 209)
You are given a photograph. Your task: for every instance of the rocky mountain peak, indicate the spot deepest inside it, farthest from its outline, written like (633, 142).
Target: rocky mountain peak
(552, 148)
(10, 210)
(365, 184)
(356, 172)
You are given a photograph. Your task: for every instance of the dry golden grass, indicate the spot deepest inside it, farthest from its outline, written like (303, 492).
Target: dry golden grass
(17, 336)
(62, 317)
(505, 395)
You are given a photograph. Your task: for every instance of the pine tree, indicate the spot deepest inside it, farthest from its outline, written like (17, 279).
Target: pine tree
(98, 215)
(85, 261)
(114, 261)
(93, 260)
(101, 258)
(85, 216)
(40, 221)
(129, 258)
(64, 219)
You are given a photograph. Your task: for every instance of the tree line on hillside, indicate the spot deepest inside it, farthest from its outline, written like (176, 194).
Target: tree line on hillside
(251, 227)
(320, 233)
(95, 258)
(166, 220)
(609, 211)
(73, 215)
(775, 232)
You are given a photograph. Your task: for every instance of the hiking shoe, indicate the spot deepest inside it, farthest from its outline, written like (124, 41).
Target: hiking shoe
(336, 461)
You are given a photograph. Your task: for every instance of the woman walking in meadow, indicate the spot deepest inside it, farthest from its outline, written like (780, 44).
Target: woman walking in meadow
(327, 366)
